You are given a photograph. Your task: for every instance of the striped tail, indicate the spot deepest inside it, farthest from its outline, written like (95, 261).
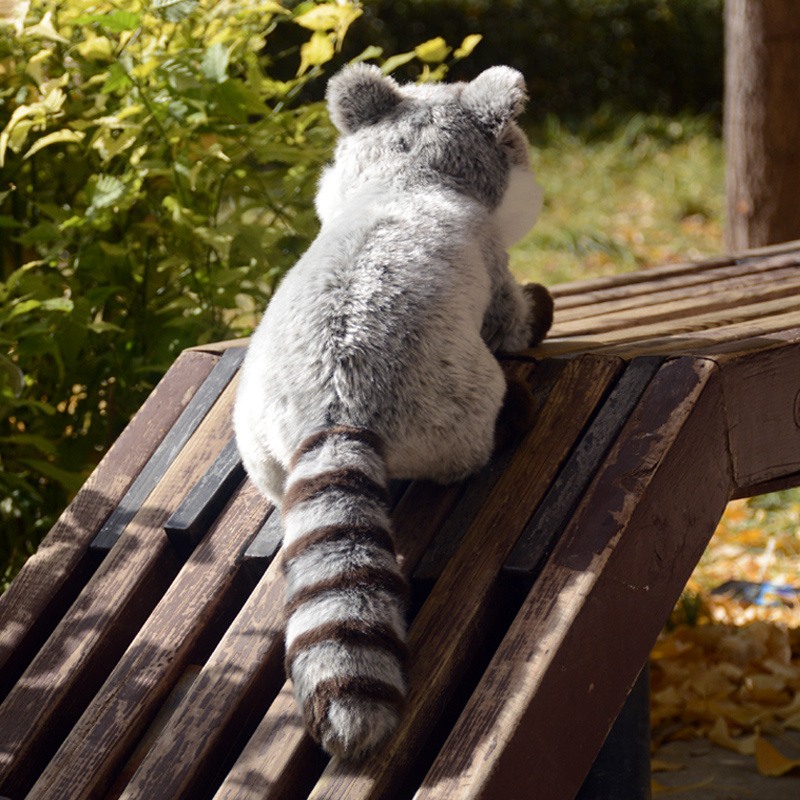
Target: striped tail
(345, 594)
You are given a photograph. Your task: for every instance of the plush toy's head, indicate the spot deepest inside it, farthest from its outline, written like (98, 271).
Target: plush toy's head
(462, 135)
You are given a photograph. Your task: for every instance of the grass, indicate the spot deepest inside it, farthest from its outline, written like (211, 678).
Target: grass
(621, 196)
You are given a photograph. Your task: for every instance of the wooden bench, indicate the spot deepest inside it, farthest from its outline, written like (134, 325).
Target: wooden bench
(141, 647)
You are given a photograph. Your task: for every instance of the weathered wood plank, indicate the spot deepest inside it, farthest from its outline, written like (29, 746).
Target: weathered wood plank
(445, 634)
(245, 674)
(280, 757)
(177, 437)
(200, 601)
(72, 665)
(541, 533)
(701, 342)
(53, 577)
(202, 505)
(762, 401)
(644, 295)
(659, 279)
(593, 615)
(688, 305)
(478, 487)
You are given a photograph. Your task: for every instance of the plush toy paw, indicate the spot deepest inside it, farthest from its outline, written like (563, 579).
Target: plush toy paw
(540, 302)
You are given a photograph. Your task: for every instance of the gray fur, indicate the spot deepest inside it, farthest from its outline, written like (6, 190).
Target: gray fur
(389, 323)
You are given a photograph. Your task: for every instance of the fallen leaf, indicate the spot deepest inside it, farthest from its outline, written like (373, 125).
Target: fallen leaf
(771, 761)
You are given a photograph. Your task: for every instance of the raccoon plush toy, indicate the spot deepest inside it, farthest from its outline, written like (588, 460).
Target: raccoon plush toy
(374, 360)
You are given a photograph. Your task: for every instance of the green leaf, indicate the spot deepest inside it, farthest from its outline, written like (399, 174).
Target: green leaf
(108, 191)
(215, 63)
(174, 10)
(318, 50)
(117, 22)
(72, 481)
(117, 80)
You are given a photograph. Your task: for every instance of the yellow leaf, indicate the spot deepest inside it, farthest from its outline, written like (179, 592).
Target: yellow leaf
(65, 135)
(719, 735)
(433, 51)
(317, 50)
(659, 765)
(96, 48)
(771, 761)
(328, 16)
(468, 45)
(46, 30)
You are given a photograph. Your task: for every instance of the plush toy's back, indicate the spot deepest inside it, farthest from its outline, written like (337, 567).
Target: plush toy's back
(375, 360)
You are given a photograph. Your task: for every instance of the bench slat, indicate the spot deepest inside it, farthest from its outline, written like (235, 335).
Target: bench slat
(51, 579)
(592, 617)
(72, 665)
(200, 601)
(446, 633)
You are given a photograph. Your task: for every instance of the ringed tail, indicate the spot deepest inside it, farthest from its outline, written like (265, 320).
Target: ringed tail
(345, 594)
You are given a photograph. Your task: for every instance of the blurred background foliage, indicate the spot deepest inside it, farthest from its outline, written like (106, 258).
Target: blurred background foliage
(158, 162)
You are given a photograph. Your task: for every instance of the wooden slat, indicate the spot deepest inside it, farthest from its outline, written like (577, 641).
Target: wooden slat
(762, 402)
(177, 437)
(542, 709)
(201, 599)
(72, 665)
(280, 754)
(542, 532)
(51, 579)
(245, 673)
(701, 341)
(445, 635)
(636, 286)
(687, 305)
(202, 505)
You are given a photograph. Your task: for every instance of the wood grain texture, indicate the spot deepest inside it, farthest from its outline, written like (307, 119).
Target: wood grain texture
(687, 304)
(700, 284)
(450, 625)
(72, 665)
(199, 600)
(178, 435)
(762, 401)
(542, 532)
(52, 578)
(280, 759)
(590, 620)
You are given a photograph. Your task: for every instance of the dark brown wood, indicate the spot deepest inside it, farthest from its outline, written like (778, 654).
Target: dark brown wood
(72, 665)
(245, 674)
(762, 121)
(762, 403)
(445, 634)
(688, 305)
(200, 602)
(593, 615)
(177, 437)
(545, 527)
(51, 579)
(201, 506)
(703, 282)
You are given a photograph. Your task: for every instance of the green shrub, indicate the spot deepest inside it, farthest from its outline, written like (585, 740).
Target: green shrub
(156, 179)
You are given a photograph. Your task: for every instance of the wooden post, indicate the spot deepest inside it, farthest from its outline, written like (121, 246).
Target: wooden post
(762, 121)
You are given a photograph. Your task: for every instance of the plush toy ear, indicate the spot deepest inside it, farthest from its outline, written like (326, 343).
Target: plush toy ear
(496, 97)
(360, 95)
